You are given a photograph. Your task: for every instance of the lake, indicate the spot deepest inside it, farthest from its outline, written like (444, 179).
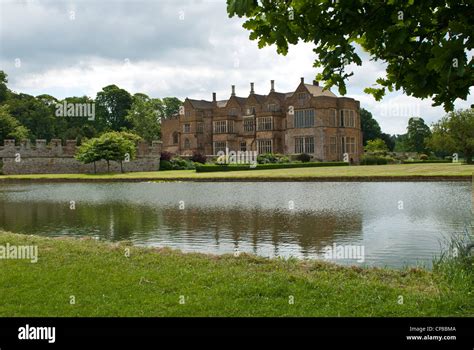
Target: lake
(391, 224)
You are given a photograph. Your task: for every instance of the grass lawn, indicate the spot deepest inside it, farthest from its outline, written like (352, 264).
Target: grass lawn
(104, 282)
(396, 170)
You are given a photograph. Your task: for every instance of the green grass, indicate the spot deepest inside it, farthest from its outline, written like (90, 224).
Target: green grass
(150, 282)
(368, 171)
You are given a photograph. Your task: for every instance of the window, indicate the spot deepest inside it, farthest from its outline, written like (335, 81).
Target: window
(187, 144)
(187, 128)
(332, 117)
(243, 146)
(304, 118)
(187, 113)
(223, 126)
(251, 110)
(347, 118)
(304, 144)
(350, 144)
(273, 107)
(351, 122)
(175, 138)
(264, 123)
(332, 145)
(219, 146)
(233, 111)
(200, 127)
(301, 96)
(248, 124)
(264, 146)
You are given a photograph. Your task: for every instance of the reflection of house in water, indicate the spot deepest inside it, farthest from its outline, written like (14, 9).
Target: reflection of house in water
(309, 231)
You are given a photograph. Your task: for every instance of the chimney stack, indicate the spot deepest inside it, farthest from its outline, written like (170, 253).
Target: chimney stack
(233, 90)
(272, 84)
(315, 83)
(251, 88)
(302, 80)
(213, 97)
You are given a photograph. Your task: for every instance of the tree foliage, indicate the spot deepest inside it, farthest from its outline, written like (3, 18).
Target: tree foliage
(110, 146)
(454, 133)
(423, 43)
(417, 132)
(113, 104)
(376, 146)
(10, 128)
(370, 127)
(145, 116)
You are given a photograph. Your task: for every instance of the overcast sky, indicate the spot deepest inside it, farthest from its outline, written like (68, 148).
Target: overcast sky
(165, 48)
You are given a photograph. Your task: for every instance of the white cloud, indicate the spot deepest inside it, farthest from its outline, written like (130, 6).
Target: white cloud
(203, 53)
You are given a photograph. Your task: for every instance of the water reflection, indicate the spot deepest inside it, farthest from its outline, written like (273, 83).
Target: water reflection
(271, 219)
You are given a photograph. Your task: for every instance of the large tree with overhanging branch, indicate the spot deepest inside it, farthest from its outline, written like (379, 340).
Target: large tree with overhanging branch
(424, 44)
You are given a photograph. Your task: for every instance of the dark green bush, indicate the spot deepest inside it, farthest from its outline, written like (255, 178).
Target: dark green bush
(238, 167)
(303, 157)
(373, 160)
(165, 165)
(198, 158)
(176, 163)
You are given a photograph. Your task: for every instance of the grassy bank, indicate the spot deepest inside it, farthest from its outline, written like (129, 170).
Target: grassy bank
(150, 282)
(350, 172)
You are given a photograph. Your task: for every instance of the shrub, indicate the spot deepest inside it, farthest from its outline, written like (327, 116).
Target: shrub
(165, 165)
(166, 156)
(423, 157)
(267, 158)
(304, 158)
(237, 167)
(373, 160)
(177, 163)
(199, 158)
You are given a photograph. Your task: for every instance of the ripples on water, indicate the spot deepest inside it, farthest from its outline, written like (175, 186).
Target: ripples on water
(398, 224)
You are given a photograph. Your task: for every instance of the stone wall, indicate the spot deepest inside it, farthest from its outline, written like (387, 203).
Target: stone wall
(57, 158)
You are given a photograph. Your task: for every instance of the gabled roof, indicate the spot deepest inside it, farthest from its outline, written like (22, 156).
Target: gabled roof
(316, 90)
(200, 104)
(222, 103)
(259, 98)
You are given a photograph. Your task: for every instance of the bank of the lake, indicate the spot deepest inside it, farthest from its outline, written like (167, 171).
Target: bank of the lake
(103, 281)
(392, 172)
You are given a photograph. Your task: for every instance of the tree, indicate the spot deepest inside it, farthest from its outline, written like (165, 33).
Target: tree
(3, 86)
(145, 116)
(454, 133)
(10, 128)
(171, 106)
(423, 43)
(33, 114)
(88, 152)
(370, 127)
(376, 146)
(113, 104)
(417, 132)
(389, 141)
(401, 143)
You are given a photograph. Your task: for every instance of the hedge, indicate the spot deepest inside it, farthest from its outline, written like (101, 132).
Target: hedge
(426, 161)
(237, 167)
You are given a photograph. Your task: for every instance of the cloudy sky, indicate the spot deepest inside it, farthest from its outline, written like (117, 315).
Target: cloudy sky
(186, 48)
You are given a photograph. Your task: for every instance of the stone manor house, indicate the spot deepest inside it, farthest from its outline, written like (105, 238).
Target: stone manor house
(308, 120)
